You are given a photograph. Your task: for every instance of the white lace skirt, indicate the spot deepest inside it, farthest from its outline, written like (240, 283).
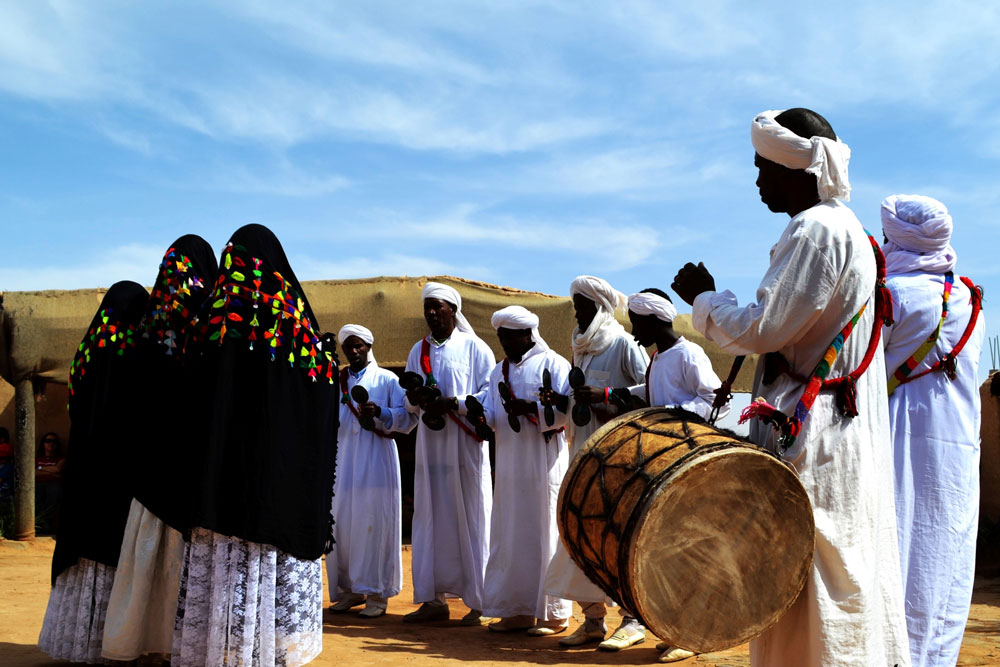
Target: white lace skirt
(140, 617)
(73, 628)
(244, 604)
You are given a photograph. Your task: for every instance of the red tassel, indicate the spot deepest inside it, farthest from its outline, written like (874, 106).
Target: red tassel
(759, 408)
(846, 396)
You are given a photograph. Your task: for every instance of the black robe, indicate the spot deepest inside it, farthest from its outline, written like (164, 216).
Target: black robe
(105, 433)
(266, 446)
(164, 396)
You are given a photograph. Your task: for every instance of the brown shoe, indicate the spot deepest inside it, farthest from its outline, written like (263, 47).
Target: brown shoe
(428, 613)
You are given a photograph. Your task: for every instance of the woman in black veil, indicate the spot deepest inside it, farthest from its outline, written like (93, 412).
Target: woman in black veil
(140, 617)
(261, 476)
(95, 497)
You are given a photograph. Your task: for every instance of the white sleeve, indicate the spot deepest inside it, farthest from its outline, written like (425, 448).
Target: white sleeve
(791, 297)
(701, 381)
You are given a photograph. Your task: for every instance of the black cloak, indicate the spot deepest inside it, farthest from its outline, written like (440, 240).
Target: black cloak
(105, 433)
(163, 392)
(266, 448)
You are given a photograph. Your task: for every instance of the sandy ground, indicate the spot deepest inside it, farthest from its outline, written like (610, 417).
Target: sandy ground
(24, 589)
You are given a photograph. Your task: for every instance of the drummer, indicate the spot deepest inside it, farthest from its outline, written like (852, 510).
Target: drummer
(608, 357)
(365, 566)
(680, 374)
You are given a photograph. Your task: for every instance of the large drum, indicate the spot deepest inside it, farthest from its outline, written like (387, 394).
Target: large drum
(706, 538)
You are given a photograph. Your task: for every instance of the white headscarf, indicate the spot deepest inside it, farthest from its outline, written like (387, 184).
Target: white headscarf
(519, 317)
(648, 303)
(604, 328)
(362, 333)
(451, 295)
(919, 233)
(824, 158)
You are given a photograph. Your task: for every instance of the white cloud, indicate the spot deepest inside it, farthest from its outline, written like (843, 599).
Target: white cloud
(283, 179)
(394, 264)
(136, 262)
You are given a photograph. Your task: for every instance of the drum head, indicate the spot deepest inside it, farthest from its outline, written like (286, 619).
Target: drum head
(722, 550)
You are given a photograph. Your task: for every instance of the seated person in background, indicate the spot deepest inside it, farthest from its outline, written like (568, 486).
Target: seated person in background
(6, 483)
(48, 473)
(680, 374)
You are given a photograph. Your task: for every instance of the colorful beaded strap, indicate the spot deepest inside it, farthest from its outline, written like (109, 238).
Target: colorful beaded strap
(790, 426)
(902, 375)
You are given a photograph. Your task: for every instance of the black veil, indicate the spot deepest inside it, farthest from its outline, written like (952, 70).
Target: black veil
(265, 448)
(105, 432)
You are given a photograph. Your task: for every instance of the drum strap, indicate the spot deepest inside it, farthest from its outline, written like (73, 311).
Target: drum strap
(946, 363)
(790, 426)
(431, 381)
(345, 398)
(649, 368)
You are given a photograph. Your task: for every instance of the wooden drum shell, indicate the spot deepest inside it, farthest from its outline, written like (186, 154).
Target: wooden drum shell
(706, 538)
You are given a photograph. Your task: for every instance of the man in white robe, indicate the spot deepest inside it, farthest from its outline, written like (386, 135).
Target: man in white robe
(934, 422)
(609, 357)
(452, 492)
(366, 566)
(530, 464)
(822, 272)
(680, 374)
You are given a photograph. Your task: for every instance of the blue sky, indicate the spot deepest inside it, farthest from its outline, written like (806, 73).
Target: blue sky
(517, 143)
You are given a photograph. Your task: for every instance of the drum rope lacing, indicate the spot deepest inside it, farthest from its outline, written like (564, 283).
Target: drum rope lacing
(612, 583)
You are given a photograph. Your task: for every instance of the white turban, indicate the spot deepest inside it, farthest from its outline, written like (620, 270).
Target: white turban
(824, 158)
(648, 303)
(451, 295)
(519, 317)
(919, 233)
(604, 328)
(361, 332)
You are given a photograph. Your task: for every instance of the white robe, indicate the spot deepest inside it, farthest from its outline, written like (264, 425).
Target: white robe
(622, 364)
(529, 473)
(935, 442)
(367, 512)
(528, 476)
(452, 492)
(682, 376)
(822, 271)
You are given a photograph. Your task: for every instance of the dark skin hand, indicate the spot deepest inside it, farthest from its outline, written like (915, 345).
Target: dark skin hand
(691, 281)
(441, 405)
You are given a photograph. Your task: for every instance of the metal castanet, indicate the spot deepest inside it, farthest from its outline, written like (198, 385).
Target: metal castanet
(548, 410)
(413, 383)
(477, 416)
(506, 398)
(360, 396)
(581, 411)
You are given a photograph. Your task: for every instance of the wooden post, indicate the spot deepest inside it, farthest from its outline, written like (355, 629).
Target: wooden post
(24, 460)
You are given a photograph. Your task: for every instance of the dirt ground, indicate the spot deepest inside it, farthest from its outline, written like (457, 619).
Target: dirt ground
(24, 589)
